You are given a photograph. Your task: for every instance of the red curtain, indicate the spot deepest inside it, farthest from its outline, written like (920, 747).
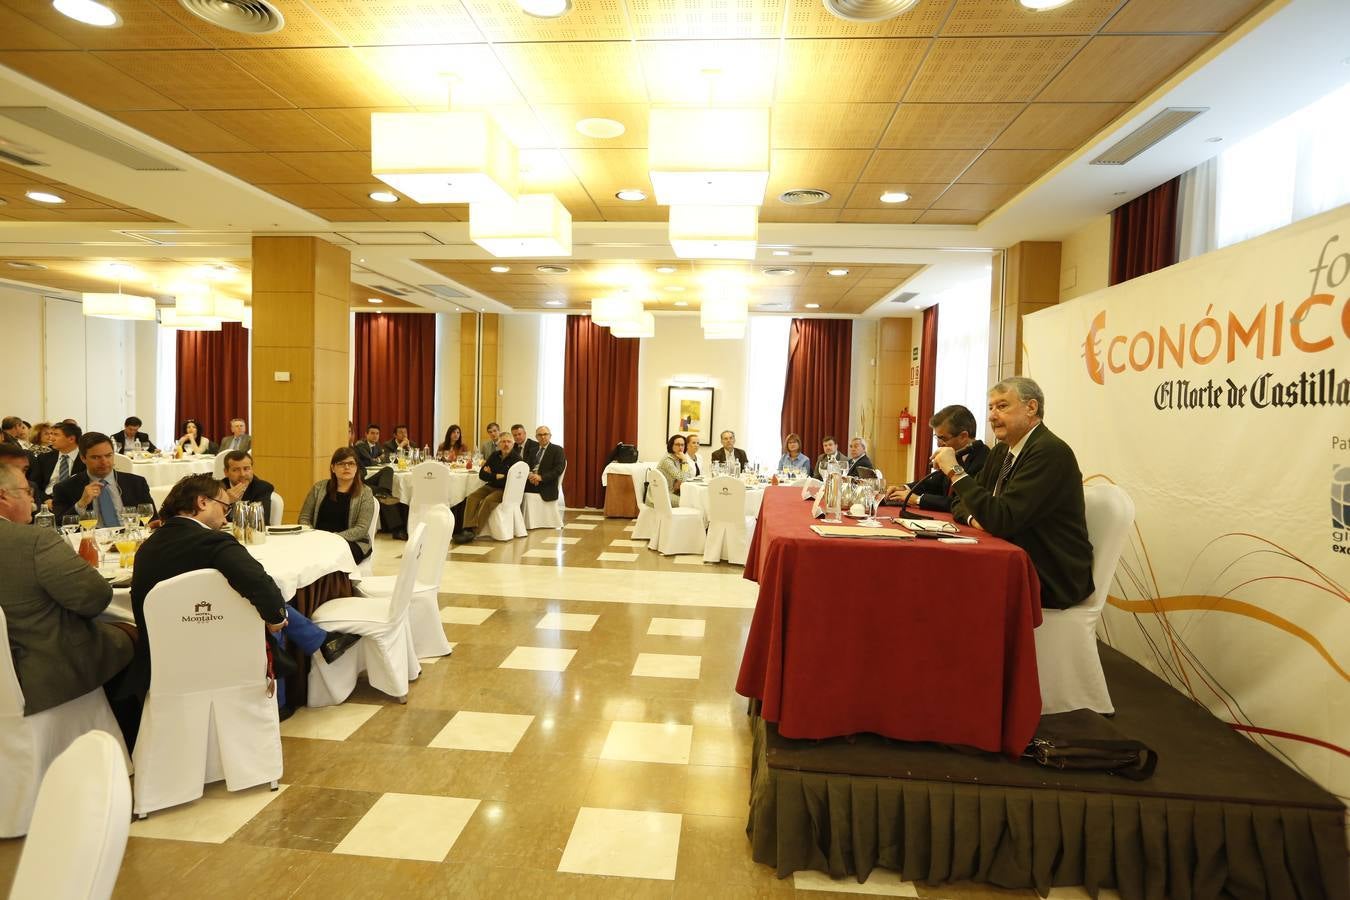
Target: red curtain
(815, 392)
(600, 406)
(212, 379)
(923, 432)
(396, 374)
(1144, 233)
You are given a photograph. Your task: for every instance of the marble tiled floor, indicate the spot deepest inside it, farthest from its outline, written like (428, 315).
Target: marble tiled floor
(583, 740)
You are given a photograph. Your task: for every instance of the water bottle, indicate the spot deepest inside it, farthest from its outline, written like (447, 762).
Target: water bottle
(44, 518)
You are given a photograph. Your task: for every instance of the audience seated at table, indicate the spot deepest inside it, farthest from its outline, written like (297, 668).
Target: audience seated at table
(525, 445)
(480, 504)
(400, 441)
(453, 448)
(189, 540)
(127, 439)
(953, 426)
(829, 457)
(52, 599)
(342, 504)
(241, 485)
(793, 459)
(729, 451)
(691, 454)
(858, 459)
(1029, 492)
(12, 431)
(489, 446)
(50, 469)
(675, 468)
(239, 438)
(98, 487)
(369, 452)
(193, 442)
(547, 462)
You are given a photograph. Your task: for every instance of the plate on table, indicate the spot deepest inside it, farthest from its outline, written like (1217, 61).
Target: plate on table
(117, 578)
(288, 529)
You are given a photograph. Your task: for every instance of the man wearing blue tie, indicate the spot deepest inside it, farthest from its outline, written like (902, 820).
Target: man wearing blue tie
(99, 488)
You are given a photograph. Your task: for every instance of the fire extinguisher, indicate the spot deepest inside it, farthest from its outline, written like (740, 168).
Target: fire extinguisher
(906, 426)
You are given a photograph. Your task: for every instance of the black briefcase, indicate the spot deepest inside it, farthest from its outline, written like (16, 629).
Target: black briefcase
(1086, 741)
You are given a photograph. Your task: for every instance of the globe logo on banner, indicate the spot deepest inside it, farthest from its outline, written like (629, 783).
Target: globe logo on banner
(1340, 497)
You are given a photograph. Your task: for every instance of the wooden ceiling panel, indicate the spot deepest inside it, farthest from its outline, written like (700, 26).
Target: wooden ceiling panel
(880, 216)
(947, 126)
(979, 18)
(429, 76)
(87, 79)
(503, 21)
(921, 195)
(633, 212)
(604, 173)
(153, 277)
(655, 20)
(805, 168)
(560, 124)
(196, 79)
(18, 32)
(304, 28)
(257, 167)
(838, 192)
(145, 26)
(676, 72)
(277, 129)
(977, 196)
(1124, 69)
(922, 166)
(397, 22)
(307, 195)
(780, 213)
(1144, 16)
(340, 167)
(347, 214)
(810, 19)
(317, 76)
(989, 70)
(1057, 126)
(829, 126)
(953, 216)
(352, 125)
(830, 70)
(601, 72)
(185, 130)
(1011, 166)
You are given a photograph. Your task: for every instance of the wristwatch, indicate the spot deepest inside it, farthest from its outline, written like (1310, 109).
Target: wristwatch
(956, 472)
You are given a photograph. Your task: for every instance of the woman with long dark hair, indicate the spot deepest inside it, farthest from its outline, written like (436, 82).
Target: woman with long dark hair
(342, 504)
(453, 448)
(193, 442)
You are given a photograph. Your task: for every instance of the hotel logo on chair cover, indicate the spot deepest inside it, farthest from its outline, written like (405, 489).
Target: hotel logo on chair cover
(202, 613)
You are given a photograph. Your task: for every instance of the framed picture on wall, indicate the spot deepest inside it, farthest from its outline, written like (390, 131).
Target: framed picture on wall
(689, 410)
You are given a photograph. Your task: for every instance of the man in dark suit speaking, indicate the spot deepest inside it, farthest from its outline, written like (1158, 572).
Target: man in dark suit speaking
(547, 462)
(953, 426)
(1030, 492)
(98, 487)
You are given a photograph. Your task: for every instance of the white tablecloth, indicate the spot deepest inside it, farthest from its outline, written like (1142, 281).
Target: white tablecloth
(462, 484)
(293, 561)
(694, 495)
(637, 471)
(166, 472)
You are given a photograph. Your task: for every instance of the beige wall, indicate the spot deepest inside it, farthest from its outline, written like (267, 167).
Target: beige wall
(1084, 259)
(675, 354)
(518, 371)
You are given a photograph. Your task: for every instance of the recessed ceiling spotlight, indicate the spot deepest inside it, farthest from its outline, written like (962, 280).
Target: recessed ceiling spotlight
(813, 306)
(26, 265)
(780, 271)
(88, 12)
(374, 300)
(600, 129)
(1213, 140)
(552, 270)
(782, 253)
(553, 303)
(500, 269)
(665, 270)
(681, 302)
(632, 196)
(837, 273)
(545, 9)
(894, 197)
(43, 197)
(1039, 5)
(383, 196)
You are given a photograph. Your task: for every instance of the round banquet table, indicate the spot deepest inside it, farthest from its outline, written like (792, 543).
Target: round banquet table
(694, 495)
(462, 484)
(166, 472)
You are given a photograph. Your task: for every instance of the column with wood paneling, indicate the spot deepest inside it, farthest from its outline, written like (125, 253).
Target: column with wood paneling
(478, 381)
(897, 389)
(1030, 282)
(301, 384)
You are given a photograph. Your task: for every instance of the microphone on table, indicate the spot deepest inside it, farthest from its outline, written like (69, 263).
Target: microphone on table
(904, 503)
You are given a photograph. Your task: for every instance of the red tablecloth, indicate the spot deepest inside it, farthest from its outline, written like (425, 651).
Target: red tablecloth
(918, 641)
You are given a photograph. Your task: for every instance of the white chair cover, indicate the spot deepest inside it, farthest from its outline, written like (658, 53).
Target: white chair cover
(728, 531)
(28, 744)
(218, 466)
(645, 526)
(208, 714)
(678, 530)
(430, 487)
(541, 513)
(424, 612)
(1066, 643)
(122, 463)
(277, 511)
(507, 521)
(366, 567)
(74, 849)
(385, 652)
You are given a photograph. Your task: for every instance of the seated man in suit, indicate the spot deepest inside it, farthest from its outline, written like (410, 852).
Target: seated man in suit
(369, 452)
(729, 451)
(52, 599)
(400, 441)
(241, 485)
(953, 426)
(190, 539)
(830, 457)
(1030, 492)
(527, 447)
(547, 462)
(691, 451)
(489, 446)
(125, 440)
(239, 438)
(50, 469)
(99, 488)
(12, 431)
(858, 459)
(480, 504)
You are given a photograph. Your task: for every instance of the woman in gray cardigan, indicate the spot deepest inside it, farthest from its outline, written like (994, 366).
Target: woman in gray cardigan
(342, 504)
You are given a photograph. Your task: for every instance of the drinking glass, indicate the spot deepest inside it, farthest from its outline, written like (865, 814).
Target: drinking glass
(144, 513)
(127, 543)
(88, 520)
(105, 538)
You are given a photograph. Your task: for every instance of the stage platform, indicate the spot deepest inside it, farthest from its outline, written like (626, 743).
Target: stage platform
(1221, 817)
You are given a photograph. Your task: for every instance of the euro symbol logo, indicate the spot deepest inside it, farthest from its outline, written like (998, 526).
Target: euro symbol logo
(1092, 349)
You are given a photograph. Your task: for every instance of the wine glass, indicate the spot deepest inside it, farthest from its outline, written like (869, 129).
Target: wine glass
(70, 527)
(104, 539)
(144, 513)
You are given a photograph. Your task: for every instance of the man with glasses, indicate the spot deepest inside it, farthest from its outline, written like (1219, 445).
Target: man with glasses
(547, 462)
(97, 487)
(954, 427)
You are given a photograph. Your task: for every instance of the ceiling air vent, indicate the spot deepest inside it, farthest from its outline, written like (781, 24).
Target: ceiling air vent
(392, 291)
(444, 291)
(904, 297)
(780, 271)
(1148, 134)
(18, 160)
(804, 197)
(244, 16)
(77, 134)
(552, 270)
(868, 10)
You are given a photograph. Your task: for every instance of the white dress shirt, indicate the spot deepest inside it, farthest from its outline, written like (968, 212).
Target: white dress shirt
(72, 455)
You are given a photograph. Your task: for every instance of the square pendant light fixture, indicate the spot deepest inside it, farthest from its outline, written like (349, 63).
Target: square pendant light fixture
(200, 305)
(533, 225)
(644, 326)
(119, 306)
(170, 318)
(608, 312)
(714, 232)
(459, 156)
(703, 156)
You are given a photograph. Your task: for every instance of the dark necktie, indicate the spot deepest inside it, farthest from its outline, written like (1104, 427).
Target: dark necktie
(63, 471)
(1003, 473)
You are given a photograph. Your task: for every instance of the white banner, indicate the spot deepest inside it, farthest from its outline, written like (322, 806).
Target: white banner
(1217, 393)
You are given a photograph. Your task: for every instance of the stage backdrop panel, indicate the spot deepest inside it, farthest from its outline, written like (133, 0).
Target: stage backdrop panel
(1217, 392)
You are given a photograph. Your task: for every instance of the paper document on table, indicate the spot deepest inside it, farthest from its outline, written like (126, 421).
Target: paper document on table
(957, 540)
(886, 534)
